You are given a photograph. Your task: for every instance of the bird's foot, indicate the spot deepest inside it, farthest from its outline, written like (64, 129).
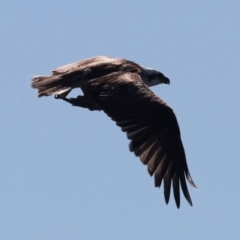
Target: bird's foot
(80, 101)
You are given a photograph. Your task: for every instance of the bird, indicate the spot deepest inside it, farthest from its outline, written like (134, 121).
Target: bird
(120, 88)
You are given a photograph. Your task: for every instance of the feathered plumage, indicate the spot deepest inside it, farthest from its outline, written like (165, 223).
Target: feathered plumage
(120, 88)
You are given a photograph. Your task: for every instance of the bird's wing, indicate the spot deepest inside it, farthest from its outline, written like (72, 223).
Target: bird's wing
(89, 63)
(64, 79)
(151, 126)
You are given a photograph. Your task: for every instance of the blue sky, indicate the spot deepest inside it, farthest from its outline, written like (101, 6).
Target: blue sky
(66, 173)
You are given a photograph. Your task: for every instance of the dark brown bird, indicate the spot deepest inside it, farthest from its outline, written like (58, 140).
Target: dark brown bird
(120, 88)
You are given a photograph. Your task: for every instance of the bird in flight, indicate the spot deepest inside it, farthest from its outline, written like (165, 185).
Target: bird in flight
(120, 88)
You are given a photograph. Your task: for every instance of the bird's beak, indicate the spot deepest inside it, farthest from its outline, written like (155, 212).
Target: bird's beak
(166, 80)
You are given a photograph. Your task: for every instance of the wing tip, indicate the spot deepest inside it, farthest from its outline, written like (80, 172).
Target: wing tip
(190, 180)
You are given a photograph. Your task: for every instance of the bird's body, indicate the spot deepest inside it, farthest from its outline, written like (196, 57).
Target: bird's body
(120, 88)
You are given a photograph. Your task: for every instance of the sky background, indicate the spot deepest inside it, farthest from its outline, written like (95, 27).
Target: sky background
(67, 173)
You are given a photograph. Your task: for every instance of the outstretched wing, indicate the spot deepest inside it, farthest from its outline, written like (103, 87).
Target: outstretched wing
(64, 79)
(151, 126)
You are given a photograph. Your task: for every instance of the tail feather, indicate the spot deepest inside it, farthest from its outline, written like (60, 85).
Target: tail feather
(49, 85)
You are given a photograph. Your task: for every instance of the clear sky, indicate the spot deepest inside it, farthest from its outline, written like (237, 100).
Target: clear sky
(67, 173)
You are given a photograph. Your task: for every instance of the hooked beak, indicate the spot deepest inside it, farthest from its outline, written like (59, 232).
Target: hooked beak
(166, 80)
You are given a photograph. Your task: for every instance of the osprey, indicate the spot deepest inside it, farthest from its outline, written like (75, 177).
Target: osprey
(120, 88)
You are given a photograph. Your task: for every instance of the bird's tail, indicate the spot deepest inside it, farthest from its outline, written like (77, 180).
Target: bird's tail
(49, 85)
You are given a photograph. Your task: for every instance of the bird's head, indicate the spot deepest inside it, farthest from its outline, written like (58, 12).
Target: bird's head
(153, 77)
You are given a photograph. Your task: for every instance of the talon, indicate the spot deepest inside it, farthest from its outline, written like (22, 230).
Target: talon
(56, 96)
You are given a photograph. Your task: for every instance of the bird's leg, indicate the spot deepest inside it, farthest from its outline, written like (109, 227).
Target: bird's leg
(80, 101)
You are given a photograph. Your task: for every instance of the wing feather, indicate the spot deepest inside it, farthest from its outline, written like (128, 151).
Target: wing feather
(176, 192)
(151, 126)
